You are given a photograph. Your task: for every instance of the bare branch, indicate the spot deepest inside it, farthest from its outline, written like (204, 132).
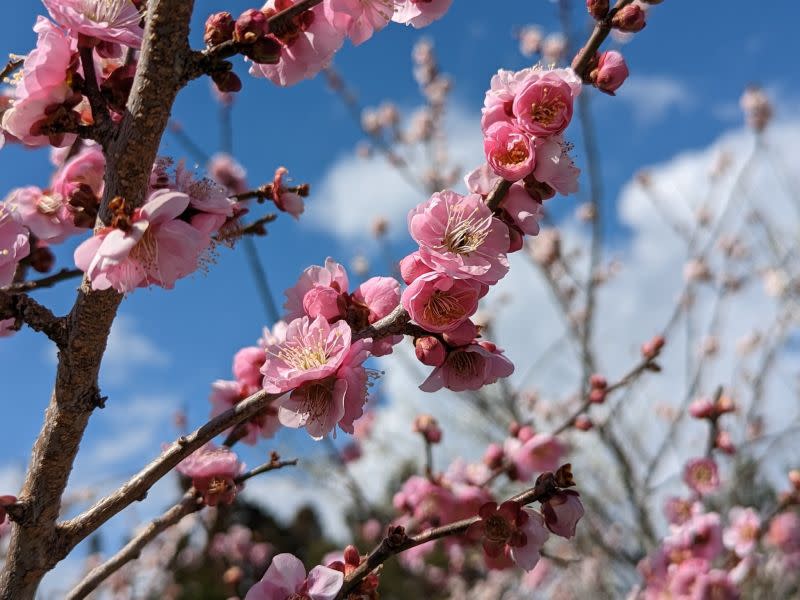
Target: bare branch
(24, 309)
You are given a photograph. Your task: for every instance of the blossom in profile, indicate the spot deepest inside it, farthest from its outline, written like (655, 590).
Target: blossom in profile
(562, 513)
(459, 237)
(555, 167)
(286, 579)
(534, 454)
(469, 367)
(213, 472)
(359, 19)
(115, 21)
(305, 49)
(420, 13)
(610, 73)
(510, 528)
(148, 246)
(14, 245)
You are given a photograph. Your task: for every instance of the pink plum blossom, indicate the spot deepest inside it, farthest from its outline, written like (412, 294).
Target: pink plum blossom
(45, 214)
(14, 245)
(227, 394)
(562, 513)
(213, 471)
(439, 303)
(678, 510)
(522, 211)
(469, 368)
(510, 528)
(509, 151)
(412, 267)
(332, 275)
(784, 532)
(304, 52)
(87, 167)
(425, 501)
(540, 453)
(115, 21)
(700, 537)
(458, 236)
(543, 102)
(358, 19)
(42, 87)
(611, 72)
(555, 167)
(743, 532)
(701, 475)
(285, 198)
(157, 247)
(286, 579)
(419, 13)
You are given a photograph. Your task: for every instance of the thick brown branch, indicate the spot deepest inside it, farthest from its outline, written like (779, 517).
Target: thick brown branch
(24, 309)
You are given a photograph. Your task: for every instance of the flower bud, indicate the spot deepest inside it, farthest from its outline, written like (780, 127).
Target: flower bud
(598, 9)
(597, 381)
(724, 443)
(251, 25)
(430, 351)
(597, 396)
(219, 28)
(493, 457)
(562, 513)
(351, 556)
(630, 18)
(264, 51)
(610, 73)
(652, 348)
(583, 423)
(41, 258)
(227, 81)
(525, 433)
(233, 575)
(703, 408)
(428, 427)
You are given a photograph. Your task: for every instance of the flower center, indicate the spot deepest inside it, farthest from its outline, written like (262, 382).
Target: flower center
(497, 529)
(109, 12)
(463, 363)
(465, 233)
(48, 204)
(515, 154)
(547, 110)
(305, 357)
(317, 398)
(702, 474)
(145, 252)
(442, 308)
(218, 485)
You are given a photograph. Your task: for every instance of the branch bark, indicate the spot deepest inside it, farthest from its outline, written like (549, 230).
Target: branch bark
(36, 543)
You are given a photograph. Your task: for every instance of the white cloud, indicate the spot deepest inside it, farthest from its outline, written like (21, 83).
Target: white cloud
(633, 306)
(355, 191)
(129, 349)
(652, 97)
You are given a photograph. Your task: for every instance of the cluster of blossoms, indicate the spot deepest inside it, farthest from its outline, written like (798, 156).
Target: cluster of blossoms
(307, 44)
(706, 555)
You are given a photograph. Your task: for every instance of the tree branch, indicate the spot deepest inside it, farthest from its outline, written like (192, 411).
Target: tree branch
(602, 28)
(43, 282)
(24, 309)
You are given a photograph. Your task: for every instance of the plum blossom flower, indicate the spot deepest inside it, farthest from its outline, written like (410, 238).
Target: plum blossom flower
(358, 19)
(305, 50)
(439, 303)
(701, 475)
(14, 245)
(510, 528)
(42, 88)
(44, 213)
(425, 501)
(419, 13)
(700, 537)
(247, 364)
(332, 275)
(540, 453)
(325, 373)
(213, 471)
(115, 21)
(155, 247)
(678, 510)
(742, 534)
(226, 171)
(227, 394)
(286, 579)
(543, 102)
(562, 513)
(784, 532)
(469, 367)
(555, 167)
(509, 151)
(458, 236)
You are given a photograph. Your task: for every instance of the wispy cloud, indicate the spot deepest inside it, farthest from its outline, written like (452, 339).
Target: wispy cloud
(653, 97)
(129, 350)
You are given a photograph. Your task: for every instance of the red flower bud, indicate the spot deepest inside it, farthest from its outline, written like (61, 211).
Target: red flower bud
(597, 396)
(251, 25)
(219, 28)
(583, 423)
(598, 9)
(597, 381)
(430, 351)
(227, 81)
(630, 18)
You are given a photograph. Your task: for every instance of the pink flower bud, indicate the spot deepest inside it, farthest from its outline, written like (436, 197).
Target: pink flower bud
(351, 556)
(525, 433)
(219, 28)
(412, 267)
(630, 18)
(598, 9)
(513, 428)
(583, 423)
(724, 443)
(251, 25)
(227, 81)
(610, 73)
(493, 457)
(597, 381)
(703, 408)
(597, 396)
(430, 351)
(652, 348)
(429, 428)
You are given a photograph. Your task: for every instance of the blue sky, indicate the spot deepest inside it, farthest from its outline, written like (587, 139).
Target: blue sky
(689, 67)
